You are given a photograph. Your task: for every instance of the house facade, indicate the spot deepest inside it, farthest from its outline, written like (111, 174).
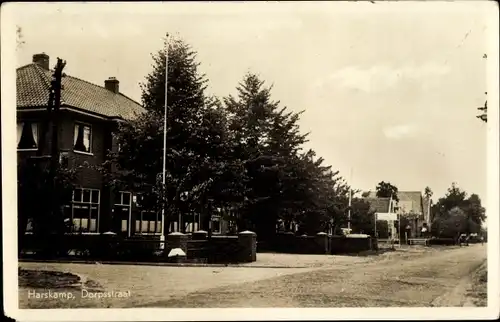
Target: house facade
(411, 205)
(88, 116)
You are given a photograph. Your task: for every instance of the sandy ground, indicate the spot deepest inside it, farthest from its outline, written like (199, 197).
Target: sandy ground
(407, 277)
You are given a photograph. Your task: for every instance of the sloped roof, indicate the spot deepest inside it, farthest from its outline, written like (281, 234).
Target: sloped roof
(380, 205)
(415, 197)
(33, 83)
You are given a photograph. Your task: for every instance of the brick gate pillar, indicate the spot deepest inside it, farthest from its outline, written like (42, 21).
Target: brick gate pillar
(248, 246)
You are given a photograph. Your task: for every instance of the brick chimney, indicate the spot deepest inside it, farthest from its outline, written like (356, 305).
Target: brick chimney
(112, 84)
(42, 60)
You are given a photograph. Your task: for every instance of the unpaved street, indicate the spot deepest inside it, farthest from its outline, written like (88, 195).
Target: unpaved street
(433, 278)
(412, 277)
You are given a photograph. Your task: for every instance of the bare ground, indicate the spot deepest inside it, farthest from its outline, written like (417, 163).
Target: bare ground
(408, 280)
(477, 290)
(407, 277)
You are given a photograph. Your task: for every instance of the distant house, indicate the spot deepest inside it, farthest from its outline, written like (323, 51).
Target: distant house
(411, 204)
(381, 205)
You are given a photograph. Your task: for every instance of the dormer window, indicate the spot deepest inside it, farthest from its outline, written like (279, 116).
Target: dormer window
(27, 136)
(82, 138)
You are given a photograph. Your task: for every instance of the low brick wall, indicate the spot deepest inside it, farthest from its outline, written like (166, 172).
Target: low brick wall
(222, 249)
(346, 245)
(321, 243)
(442, 241)
(198, 248)
(289, 243)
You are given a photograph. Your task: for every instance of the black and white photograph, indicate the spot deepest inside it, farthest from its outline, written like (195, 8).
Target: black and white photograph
(250, 160)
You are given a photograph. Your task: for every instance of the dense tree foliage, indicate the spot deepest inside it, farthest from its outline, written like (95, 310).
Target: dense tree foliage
(41, 198)
(198, 174)
(243, 155)
(387, 190)
(457, 213)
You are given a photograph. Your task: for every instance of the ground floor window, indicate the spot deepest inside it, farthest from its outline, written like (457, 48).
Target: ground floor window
(83, 213)
(122, 210)
(191, 222)
(216, 224)
(174, 227)
(148, 222)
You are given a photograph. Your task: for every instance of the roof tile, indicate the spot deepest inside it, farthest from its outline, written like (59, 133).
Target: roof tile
(33, 83)
(379, 205)
(415, 197)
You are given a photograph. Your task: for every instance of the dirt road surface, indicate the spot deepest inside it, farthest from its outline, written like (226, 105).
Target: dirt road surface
(434, 278)
(411, 277)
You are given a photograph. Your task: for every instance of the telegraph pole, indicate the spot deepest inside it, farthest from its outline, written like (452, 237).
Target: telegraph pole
(54, 108)
(484, 111)
(56, 86)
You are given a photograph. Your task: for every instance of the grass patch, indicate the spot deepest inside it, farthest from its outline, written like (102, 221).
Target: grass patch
(47, 279)
(478, 292)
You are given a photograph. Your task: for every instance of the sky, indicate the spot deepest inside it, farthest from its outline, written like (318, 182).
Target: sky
(389, 90)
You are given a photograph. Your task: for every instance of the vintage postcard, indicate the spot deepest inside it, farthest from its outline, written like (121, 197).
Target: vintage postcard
(250, 160)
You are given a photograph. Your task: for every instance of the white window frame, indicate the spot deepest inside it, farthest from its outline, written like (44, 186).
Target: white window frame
(216, 218)
(90, 203)
(78, 123)
(123, 205)
(37, 139)
(194, 225)
(157, 230)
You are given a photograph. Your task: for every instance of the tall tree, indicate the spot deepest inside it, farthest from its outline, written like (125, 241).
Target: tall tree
(457, 201)
(196, 137)
(266, 139)
(428, 192)
(387, 190)
(474, 210)
(455, 223)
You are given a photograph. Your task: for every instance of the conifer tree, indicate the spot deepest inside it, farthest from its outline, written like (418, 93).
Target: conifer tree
(195, 137)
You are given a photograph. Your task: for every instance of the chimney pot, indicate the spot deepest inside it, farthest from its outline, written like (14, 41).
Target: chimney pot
(112, 84)
(42, 60)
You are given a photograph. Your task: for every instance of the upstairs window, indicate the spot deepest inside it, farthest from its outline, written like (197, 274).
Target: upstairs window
(27, 136)
(82, 138)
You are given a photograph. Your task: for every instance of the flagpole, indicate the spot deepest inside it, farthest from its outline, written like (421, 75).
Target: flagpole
(350, 204)
(391, 222)
(165, 141)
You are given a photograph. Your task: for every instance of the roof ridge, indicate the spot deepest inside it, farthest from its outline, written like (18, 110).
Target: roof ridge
(132, 100)
(104, 88)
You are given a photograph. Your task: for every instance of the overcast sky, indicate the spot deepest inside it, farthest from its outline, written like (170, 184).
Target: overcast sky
(389, 90)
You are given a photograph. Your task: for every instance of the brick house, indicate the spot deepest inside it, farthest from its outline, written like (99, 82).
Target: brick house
(89, 114)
